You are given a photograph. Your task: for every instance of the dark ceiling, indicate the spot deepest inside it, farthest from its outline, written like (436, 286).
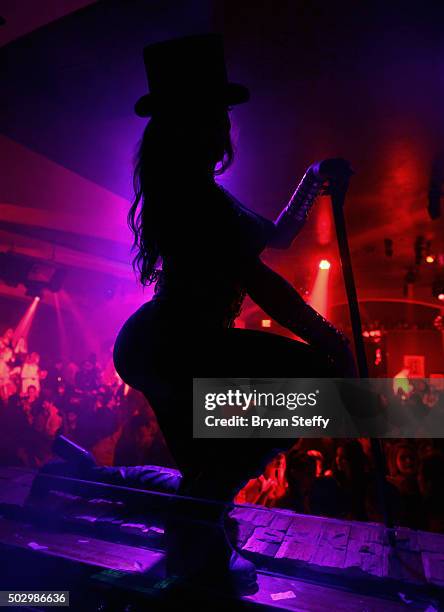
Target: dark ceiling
(364, 81)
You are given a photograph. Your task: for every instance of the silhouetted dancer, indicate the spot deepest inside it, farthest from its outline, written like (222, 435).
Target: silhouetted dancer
(208, 247)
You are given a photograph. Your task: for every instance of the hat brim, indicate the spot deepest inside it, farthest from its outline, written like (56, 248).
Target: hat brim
(234, 94)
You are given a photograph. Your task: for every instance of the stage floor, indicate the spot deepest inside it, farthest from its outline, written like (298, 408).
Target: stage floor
(305, 562)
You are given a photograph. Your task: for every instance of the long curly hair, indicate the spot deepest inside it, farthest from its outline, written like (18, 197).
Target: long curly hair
(171, 147)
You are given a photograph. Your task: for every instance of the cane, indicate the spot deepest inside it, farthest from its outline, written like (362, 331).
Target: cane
(337, 190)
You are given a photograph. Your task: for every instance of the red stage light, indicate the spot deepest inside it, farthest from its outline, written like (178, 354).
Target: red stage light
(430, 258)
(319, 294)
(266, 323)
(441, 297)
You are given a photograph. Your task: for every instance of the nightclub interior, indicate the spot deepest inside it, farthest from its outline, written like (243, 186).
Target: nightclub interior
(109, 307)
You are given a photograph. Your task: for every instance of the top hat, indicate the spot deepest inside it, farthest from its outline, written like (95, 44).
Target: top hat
(185, 71)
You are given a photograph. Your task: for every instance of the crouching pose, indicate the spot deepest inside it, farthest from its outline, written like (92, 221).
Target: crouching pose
(202, 249)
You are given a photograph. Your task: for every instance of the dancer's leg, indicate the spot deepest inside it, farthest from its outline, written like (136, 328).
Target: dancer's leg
(217, 469)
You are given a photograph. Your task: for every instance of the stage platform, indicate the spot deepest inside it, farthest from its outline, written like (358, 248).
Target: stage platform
(305, 562)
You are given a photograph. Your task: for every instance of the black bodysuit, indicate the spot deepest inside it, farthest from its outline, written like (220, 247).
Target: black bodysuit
(223, 240)
(210, 246)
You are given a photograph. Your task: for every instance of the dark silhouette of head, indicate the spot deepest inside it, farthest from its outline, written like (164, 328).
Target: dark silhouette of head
(187, 140)
(300, 471)
(350, 460)
(189, 146)
(402, 460)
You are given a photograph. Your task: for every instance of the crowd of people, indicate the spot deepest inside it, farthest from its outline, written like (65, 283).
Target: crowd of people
(89, 404)
(336, 478)
(84, 401)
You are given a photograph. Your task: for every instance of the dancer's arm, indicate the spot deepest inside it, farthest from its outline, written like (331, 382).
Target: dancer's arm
(283, 303)
(318, 178)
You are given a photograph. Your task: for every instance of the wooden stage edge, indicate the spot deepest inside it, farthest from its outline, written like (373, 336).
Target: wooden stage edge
(305, 562)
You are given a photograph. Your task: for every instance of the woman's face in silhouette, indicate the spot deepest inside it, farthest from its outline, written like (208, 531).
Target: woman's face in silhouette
(200, 135)
(210, 134)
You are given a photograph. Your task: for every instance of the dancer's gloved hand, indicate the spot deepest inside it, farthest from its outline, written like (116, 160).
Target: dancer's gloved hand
(334, 172)
(320, 178)
(332, 169)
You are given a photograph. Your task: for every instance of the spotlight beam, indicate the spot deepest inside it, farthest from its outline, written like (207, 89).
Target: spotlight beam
(24, 325)
(319, 294)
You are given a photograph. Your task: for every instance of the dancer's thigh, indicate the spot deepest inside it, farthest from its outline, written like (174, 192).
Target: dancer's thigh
(253, 354)
(223, 463)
